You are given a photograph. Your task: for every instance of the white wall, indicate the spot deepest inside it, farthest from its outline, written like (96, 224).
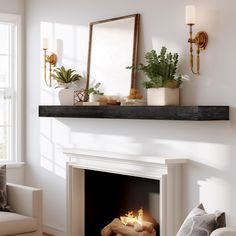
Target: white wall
(12, 6)
(16, 174)
(210, 175)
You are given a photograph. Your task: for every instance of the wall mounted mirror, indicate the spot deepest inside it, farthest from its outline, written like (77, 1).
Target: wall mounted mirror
(113, 45)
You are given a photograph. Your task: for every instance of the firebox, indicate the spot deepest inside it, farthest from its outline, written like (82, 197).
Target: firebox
(109, 196)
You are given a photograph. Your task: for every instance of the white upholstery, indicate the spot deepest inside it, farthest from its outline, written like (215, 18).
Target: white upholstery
(12, 224)
(26, 220)
(229, 231)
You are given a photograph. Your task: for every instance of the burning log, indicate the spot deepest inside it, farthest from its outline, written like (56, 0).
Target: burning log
(131, 225)
(107, 231)
(116, 227)
(146, 226)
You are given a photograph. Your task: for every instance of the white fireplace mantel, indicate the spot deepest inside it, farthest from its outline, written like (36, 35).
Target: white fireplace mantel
(168, 171)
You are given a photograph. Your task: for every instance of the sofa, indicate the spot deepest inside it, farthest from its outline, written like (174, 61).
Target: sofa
(229, 231)
(26, 203)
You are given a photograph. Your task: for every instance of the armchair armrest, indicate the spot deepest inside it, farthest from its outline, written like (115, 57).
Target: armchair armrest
(228, 231)
(25, 201)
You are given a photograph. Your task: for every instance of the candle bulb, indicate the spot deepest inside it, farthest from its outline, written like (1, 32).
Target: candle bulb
(45, 43)
(190, 15)
(59, 46)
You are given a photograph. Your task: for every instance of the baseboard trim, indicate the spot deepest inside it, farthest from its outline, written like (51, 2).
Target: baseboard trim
(51, 230)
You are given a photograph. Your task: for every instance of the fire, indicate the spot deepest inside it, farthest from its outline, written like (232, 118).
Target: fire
(130, 218)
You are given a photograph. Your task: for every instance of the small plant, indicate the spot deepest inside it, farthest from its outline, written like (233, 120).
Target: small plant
(94, 90)
(160, 69)
(64, 76)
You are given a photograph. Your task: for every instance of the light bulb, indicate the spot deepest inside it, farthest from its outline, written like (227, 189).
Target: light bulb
(190, 15)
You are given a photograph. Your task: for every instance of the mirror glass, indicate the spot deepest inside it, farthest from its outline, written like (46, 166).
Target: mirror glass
(113, 47)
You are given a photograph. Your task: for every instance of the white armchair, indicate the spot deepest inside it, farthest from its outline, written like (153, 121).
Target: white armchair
(26, 220)
(228, 231)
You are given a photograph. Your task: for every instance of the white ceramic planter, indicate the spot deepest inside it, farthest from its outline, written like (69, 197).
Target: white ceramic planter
(162, 96)
(66, 96)
(94, 97)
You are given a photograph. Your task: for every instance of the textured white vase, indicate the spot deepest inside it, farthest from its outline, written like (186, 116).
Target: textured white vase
(94, 97)
(163, 96)
(66, 96)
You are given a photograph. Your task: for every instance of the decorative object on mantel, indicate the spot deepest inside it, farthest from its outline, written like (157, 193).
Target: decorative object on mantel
(113, 45)
(163, 84)
(80, 96)
(200, 40)
(94, 93)
(92, 104)
(65, 80)
(191, 113)
(134, 94)
(113, 100)
(51, 59)
(133, 102)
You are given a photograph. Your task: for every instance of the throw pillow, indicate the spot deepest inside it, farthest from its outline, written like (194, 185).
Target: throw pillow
(200, 223)
(3, 189)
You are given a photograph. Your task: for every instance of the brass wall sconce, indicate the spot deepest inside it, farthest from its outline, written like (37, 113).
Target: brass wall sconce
(200, 40)
(51, 60)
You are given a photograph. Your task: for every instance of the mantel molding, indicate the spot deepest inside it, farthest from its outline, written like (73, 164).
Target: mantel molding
(140, 166)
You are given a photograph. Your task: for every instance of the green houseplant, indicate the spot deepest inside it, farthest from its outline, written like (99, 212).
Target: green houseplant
(65, 79)
(94, 92)
(163, 84)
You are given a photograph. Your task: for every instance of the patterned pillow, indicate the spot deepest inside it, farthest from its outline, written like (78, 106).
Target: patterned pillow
(200, 223)
(3, 190)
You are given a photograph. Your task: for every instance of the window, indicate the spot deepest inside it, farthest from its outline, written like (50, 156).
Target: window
(10, 88)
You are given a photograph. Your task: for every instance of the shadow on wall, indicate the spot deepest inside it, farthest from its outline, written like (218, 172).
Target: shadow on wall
(73, 41)
(160, 138)
(208, 177)
(72, 53)
(212, 188)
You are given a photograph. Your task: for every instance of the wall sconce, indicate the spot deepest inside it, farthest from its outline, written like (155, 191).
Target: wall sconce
(50, 59)
(200, 40)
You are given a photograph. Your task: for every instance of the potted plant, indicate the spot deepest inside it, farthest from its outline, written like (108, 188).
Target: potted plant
(163, 84)
(65, 79)
(94, 93)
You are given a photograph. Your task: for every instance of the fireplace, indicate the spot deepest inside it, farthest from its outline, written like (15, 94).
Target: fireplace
(104, 186)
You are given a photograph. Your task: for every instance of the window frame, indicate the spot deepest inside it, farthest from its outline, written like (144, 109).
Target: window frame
(16, 150)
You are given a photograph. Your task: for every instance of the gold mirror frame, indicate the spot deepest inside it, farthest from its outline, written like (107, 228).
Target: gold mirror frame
(133, 87)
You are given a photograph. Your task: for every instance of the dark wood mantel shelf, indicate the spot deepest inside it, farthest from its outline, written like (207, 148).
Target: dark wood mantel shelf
(194, 113)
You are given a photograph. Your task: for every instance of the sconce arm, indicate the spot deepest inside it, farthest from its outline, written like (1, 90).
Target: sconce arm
(50, 59)
(201, 41)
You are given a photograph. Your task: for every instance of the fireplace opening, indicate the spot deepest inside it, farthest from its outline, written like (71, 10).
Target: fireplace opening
(109, 196)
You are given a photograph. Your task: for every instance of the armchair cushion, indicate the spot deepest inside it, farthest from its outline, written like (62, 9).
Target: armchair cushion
(26, 202)
(200, 223)
(3, 190)
(12, 224)
(229, 231)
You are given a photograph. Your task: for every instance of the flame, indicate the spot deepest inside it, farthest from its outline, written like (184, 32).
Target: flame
(130, 218)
